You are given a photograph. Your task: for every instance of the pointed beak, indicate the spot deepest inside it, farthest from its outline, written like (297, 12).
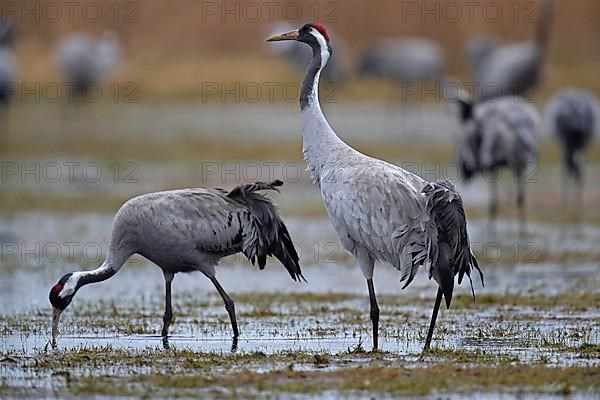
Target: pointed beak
(56, 313)
(292, 35)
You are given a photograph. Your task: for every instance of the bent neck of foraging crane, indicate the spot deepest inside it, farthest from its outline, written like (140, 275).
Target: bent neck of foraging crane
(111, 265)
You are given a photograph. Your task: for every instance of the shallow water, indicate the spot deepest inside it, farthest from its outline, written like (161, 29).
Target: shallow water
(540, 305)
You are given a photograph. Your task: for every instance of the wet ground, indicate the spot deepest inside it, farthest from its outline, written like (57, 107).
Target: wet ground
(533, 330)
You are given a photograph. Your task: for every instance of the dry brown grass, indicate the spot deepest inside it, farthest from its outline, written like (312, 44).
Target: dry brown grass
(175, 46)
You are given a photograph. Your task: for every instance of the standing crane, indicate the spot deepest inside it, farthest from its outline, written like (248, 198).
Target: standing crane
(185, 231)
(572, 115)
(515, 69)
(497, 134)
(86, 61)
(379, 211)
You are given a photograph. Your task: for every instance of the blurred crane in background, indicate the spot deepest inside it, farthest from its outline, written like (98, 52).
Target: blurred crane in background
(572, 115)
(380, 211)
(85, 61)
(512, 69)
(406, 61)
(8, 70)
(504, 133)
(477, 50)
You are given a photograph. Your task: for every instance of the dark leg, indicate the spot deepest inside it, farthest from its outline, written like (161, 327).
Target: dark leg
(521, 205)
(493, 206)
(564, 189)
(436, 308)
(229, 306)
(580, 191)
(374, 314)
(3, 126)
(234, 344)
(168, 310)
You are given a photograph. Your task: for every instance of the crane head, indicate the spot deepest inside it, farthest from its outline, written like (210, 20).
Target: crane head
(309, 33)
(60, 297)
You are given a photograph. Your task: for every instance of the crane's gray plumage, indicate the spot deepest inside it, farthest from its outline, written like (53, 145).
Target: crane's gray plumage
(86, 61)
(191, 230)
(515, 69)
(380, 211)
(477, 49)
(502, 133)
(498, 134)
(7, 63)
(572, 115)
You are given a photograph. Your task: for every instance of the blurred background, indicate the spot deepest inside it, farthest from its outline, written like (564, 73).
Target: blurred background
(104, 100)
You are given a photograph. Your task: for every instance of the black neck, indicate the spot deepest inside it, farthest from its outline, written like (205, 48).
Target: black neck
(309, 90)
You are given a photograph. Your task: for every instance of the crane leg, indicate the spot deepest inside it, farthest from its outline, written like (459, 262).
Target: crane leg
(580, 193)
(521, 206)
(493, 206)
(168, 317)
(374, 313)
(564, 189)
(229, 306)
(436, 308)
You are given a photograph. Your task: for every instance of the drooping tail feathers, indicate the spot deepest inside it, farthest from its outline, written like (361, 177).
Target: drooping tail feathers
(449, 251)
(439, 240)
(264, 233)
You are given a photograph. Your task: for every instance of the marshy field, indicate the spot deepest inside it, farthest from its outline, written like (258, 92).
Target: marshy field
(534, 329)
(181, 110)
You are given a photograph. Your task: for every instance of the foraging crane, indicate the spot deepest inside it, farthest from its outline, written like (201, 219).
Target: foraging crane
(379, 211)
(572, 115)
(86, 61)
(185, 231)
(498, 134)
(516, 69)
(337, 70)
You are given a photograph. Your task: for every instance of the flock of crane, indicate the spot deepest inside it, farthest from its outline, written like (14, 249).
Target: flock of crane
(84, 61)
(379, 211)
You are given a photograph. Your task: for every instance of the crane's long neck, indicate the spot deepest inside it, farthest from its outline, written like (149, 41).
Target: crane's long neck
(111, 265)
(545, 25)
(100, 274)
(319, 139)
